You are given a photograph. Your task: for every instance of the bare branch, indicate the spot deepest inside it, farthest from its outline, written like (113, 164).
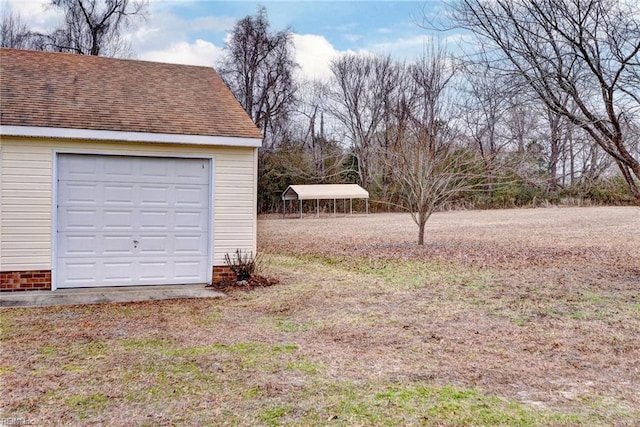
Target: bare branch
(586, 51)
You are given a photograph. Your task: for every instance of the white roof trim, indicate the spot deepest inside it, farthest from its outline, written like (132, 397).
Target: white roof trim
(324, 192)
(111, 135)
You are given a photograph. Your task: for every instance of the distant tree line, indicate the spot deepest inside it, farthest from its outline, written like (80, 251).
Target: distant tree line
(546, 111)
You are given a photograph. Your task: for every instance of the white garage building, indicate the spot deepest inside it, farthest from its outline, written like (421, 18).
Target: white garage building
(120, 173)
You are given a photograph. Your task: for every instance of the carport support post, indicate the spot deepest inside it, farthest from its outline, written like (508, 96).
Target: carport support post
(367, 206)
(317, 208)
(344, 205)
(300, 215)
(284, 208)
(334, 207)
(350, 206)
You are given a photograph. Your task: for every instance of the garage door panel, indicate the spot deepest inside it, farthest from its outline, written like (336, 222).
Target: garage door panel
(75, 193)
(155, 168)
(117, 219)
(73, 168)
(113, 168)
(188, 270)
(116, 245)
(78, 245)
(155, 195)
(190, 196)
(118, 194)
(153, 271)
(132, 221)
(190, 245)
(155, 220)
(117, 272)
(78, 272)
(77, 219)
(190, 171)
(152, 245)
(190, 220)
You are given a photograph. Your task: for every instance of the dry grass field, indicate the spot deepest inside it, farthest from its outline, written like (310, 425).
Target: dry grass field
(515, 317)
(491, 238)
(539, 305)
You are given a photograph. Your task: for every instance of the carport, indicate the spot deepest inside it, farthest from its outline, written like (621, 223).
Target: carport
(319, 192)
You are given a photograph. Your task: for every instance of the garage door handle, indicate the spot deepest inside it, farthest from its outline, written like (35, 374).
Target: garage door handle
(135, 243)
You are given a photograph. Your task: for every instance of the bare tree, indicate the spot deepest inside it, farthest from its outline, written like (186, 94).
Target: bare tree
(396, 103)
(321, 155)
(428, 167)
(359, 86)
(13, 32)
(586, 50)
(485, 106)
(258, 67)
(313, 133)
(92, 27)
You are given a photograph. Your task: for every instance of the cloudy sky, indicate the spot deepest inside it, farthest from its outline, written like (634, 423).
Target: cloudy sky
(194, 31)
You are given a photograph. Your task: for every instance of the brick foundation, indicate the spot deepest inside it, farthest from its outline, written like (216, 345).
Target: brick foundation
(31, 280)
(40, 280)
(222, 273)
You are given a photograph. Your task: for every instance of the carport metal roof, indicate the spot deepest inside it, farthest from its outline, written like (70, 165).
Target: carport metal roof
(319, 192)
(324, 192)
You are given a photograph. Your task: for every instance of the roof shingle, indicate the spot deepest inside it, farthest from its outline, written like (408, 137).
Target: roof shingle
(62, 90)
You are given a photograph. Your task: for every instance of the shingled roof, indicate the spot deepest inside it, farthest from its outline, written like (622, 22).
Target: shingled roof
(59, 90)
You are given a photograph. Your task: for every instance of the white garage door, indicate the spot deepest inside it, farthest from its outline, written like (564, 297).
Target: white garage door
(124, 221)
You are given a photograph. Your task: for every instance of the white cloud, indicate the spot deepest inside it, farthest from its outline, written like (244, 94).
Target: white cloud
(402, 47)
(314, 53)
(168, 37)
(201, 52)
(214, 23)
(353, 38)
(459, 39)
(159, 32)
(38, 15)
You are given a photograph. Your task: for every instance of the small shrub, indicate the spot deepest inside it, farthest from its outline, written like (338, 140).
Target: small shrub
(243, 264)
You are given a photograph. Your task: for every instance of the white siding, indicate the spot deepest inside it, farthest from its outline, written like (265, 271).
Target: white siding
(26, 200)
(26, 206)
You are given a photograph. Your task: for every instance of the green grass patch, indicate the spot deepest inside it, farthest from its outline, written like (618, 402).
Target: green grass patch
(48, 351)
(211, 318)
(403, 274)
(126, 311)
(305, 366)
(418, 404)
(95, 349)
(6, 323)
(285, 347)
(145, 343)
(6, 369)
(74, 368)
(581, 315)
(289, 326)
(595, 298)
(272, 416)
(86, 406)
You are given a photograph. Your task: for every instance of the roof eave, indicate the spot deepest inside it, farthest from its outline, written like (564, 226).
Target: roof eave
(121, 136)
